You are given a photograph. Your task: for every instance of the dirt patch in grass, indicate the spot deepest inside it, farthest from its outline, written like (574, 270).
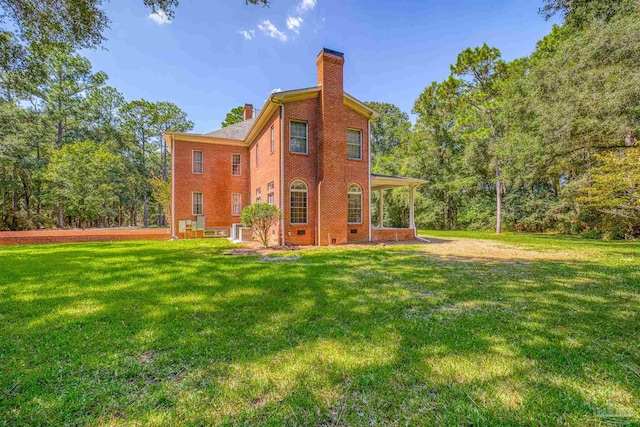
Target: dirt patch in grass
(487, 250)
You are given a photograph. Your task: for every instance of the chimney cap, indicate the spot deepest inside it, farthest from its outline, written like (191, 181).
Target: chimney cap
(331, 52)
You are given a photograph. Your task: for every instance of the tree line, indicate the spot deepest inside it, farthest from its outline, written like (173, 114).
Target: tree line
(74, 152)
(547, 142)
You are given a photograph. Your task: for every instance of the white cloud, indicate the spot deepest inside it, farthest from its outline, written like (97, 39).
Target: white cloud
(293, 23)
(247, 34)
(306, 5)
(276, 90)
(272, 31)
(159, 17)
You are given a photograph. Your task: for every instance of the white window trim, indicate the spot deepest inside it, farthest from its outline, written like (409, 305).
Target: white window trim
(290, 207)
(306, 146)
(239, 164)
(360, 154)
(193, 152)
(361, 202)
(202, 203)
(240, 198)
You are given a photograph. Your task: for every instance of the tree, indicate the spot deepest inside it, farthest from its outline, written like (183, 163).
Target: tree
(83, 174)
(236, 115)
(580, 12)
(161, 190)
(138, 124)
(613, 187)
(260, 217)
(475, 80)
(392, 129)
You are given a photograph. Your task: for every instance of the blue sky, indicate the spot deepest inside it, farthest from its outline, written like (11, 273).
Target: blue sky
(217, 54)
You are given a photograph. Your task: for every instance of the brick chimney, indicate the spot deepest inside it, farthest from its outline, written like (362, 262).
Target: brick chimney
(248, 112)
(332, 144)
(330, 72)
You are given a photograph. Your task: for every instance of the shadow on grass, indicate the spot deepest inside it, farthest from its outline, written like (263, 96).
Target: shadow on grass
(176, 333)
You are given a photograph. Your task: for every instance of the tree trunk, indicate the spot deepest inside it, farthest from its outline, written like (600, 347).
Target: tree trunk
(498, 202)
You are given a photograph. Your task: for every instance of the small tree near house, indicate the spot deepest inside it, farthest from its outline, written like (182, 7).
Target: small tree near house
(260, 217)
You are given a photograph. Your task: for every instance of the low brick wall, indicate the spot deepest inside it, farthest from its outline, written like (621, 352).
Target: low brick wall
(88, 235)
(392, 234)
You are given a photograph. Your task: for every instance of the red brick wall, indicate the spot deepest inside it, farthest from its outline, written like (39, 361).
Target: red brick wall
(302, 167)
(268, 168)
(74, 236)
(392, 234)
(216, 182)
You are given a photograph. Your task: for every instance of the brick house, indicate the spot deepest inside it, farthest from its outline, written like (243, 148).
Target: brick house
(307, 151)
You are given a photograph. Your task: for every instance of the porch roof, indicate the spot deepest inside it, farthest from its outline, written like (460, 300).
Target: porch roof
(379, 181)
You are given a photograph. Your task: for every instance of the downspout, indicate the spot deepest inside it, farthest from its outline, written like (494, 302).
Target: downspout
(318, 215)
(369, 173)
(173, 187)
(282, 170)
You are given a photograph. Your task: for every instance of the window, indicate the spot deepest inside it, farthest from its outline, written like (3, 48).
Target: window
(196, 207)
(298, 202)
(298, 140)
(354, 202)
(258, 195)
(273, 140)
(354, 144)
(270, 199)
(270, 186)
(197, 161)
(257, 154)
(236, 203)
(236, 165)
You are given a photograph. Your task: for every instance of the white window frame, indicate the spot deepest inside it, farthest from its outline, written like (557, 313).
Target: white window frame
(350, 193)
(233, 205)
(306, 138)
(360, 148)
(273, 139)
(258, 195)
(193, 161)
(193, 204)
(306, 192)
(239, 164)
(271, 199)
(270, 185)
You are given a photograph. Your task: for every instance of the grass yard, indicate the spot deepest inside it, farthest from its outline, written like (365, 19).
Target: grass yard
(471, 329)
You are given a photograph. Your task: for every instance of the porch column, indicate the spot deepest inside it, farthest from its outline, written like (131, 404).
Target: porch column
(381, 210)
(412, 223)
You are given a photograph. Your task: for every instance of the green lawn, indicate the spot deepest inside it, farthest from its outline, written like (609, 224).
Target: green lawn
(516, 330)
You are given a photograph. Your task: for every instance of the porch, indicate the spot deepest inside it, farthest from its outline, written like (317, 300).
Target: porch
(380, 183)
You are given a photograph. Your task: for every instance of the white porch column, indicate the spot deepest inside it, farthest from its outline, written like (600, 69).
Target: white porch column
(412, 223)
(381, 210)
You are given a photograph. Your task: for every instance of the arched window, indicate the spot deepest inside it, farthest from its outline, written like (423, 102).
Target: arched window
(354, 201)
(299, 205)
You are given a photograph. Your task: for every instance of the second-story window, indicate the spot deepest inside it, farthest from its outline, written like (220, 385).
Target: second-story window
(354, 144)
(197, 161)
(298, 137)
(270, 186)
(236, 165)
(273, 140)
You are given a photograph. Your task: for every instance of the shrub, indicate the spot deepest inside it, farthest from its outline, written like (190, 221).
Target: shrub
(260, 217)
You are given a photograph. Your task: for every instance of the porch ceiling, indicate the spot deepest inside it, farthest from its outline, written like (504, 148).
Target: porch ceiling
(379, 181)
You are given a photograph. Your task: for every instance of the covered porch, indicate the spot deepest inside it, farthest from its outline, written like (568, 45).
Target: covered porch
(380, 183)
